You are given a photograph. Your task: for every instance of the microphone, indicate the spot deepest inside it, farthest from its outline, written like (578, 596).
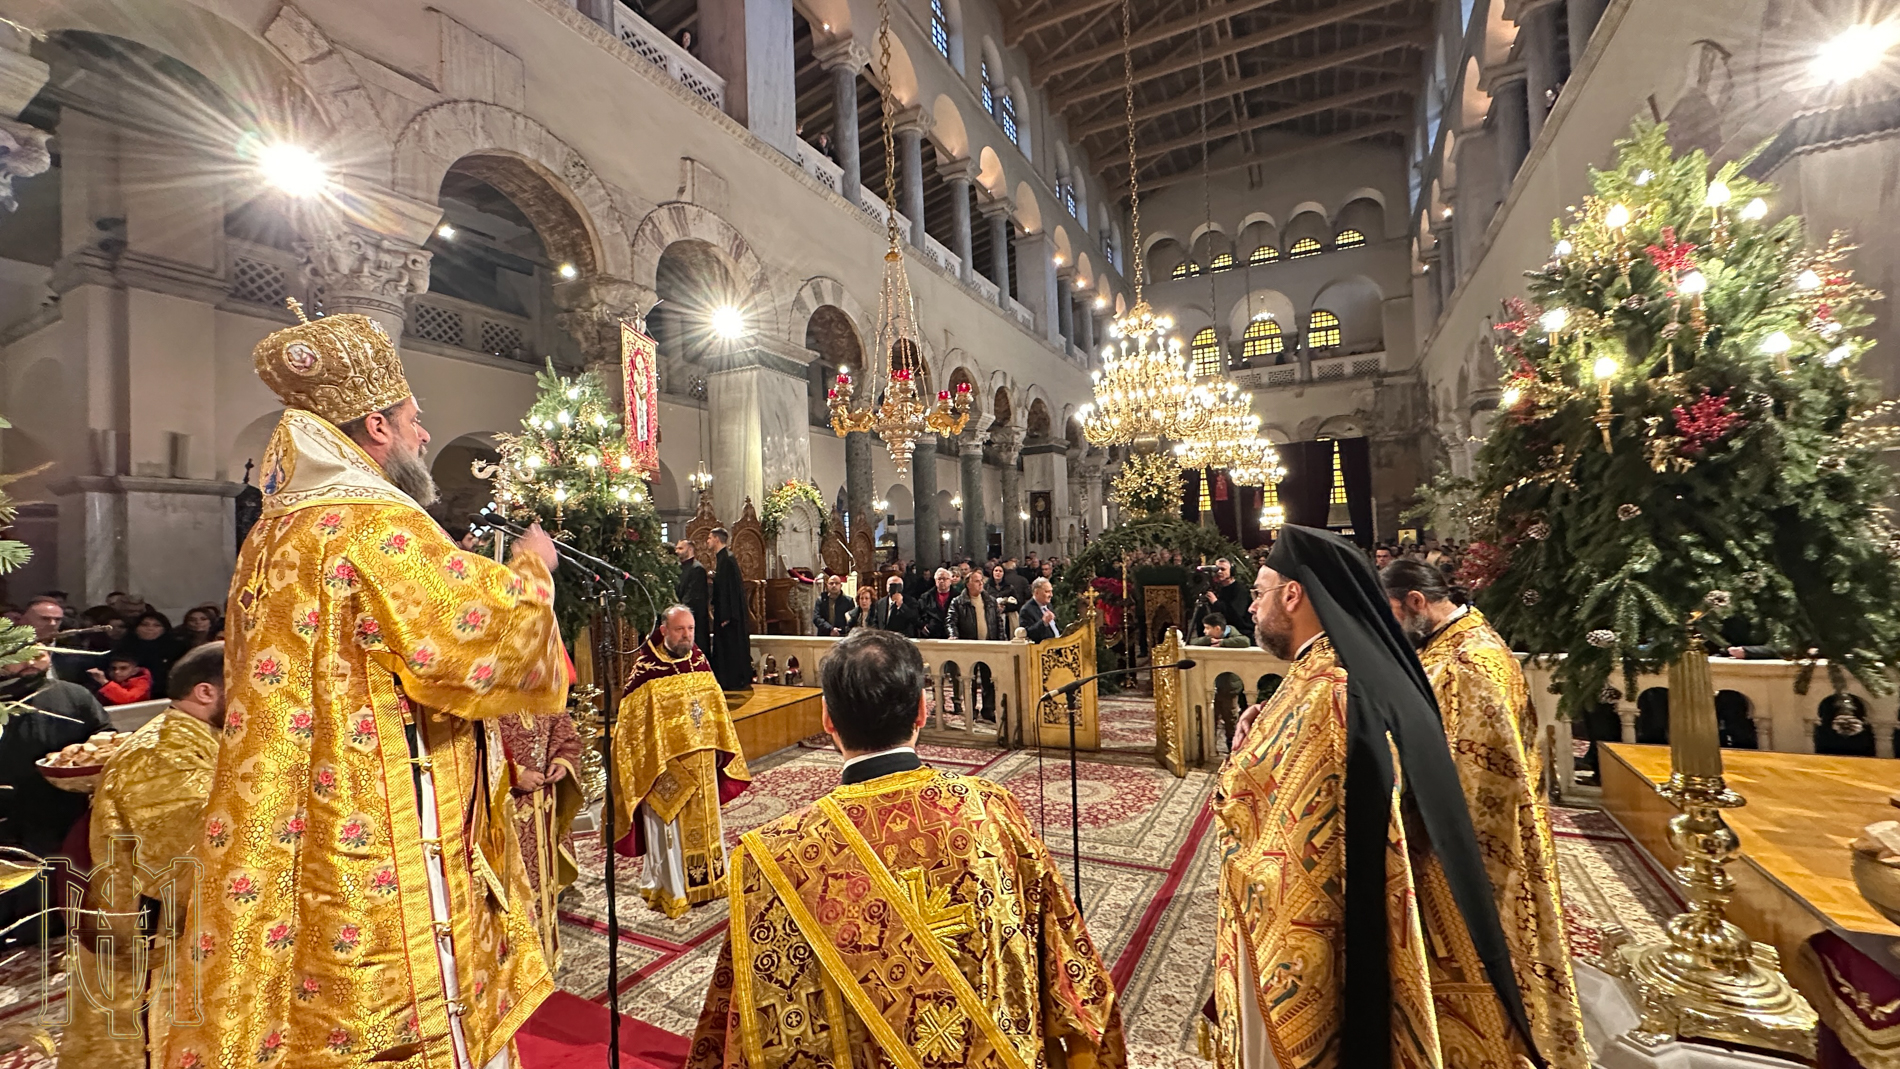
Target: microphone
(1070, 688)
(579, 558)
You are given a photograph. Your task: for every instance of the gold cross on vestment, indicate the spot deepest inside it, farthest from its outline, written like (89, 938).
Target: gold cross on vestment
(940, 1031)
(697, 712)
(944, 920)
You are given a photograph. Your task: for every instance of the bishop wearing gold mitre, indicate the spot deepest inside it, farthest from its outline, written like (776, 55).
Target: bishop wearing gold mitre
(1488, 718)
(146, 815)
(1357, 927)
(676, 761)
(909, 918)
(364, 899)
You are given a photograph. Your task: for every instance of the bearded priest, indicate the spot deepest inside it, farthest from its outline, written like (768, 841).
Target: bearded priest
(1356, 925)
(676, 761)
(910, 917)
(364, 899)
(1486, 706)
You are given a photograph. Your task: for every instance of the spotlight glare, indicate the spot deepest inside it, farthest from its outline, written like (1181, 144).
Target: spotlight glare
(293, 169)
(1855, 52)
(1693, 283)
(1755, 210)
(568, 271)
(1777, 343)
(727, 322)
(1606, 367)
(445, 232)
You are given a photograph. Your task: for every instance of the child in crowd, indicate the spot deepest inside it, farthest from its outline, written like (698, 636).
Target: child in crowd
(123, 681)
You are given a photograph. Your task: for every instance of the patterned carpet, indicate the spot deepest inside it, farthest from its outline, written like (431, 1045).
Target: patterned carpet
(1149, 877)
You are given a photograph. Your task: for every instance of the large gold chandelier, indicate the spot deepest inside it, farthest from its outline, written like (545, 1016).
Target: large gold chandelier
(898, 380)
(1142, 389)
(1226, 434)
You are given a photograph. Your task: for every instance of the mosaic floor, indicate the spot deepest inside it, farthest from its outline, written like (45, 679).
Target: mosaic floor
(1149, 874)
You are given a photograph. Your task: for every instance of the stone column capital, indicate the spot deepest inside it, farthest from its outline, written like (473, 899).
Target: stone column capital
(1008, 441)
(23, 152)
(591, 308)
(914, 119)
(961, 169)
(842, 52)
(364, 271)
(999, 206)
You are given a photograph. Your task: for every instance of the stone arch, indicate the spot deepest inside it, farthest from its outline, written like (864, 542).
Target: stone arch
(1028, 208)
(1360, 306)
(1448, 159)
(1037, 425)
(989, 173)
(818, 291)
(1308, 221)
(964, 373)
(1364, 214)
(681, 221)
(440, 137)
(1002, 406)
(947, 129)
(1473, 100)
(1500, 34)
(1263, 301)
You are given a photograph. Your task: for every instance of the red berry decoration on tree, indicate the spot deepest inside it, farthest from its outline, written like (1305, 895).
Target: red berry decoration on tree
(1704, 422)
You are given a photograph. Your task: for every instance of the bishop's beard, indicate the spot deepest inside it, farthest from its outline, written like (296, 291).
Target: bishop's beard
(410, 475)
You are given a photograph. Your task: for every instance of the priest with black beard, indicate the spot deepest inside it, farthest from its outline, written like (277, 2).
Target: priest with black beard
(1382, 946)
(731, 652)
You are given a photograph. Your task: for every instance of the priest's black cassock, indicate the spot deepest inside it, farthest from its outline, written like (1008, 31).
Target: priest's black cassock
(692, 591)
(731, 652)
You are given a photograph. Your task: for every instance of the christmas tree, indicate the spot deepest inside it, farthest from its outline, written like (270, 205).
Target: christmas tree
(1684, 449)
(570, 468)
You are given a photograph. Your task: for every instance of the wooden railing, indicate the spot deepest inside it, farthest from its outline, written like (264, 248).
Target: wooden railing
(965, 705)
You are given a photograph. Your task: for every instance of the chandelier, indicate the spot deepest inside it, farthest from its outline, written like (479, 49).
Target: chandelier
(897, 379)
(1226, 434)
(1142, 389)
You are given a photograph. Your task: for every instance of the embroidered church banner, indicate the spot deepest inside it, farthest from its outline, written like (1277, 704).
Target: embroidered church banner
(639, 367)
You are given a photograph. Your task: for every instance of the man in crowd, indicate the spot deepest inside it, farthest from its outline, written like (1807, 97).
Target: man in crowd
(1381, 557)
(1216, 631)
(147, 813)
(731, 649)
(676, 761)
(1382, 946)
(360, 790)
(693, 589)
(1031, 566)
(893, 612)
(834, 899)
(35, 815)
(831, 615)
(1038, 616)
(1486, 708)
(1226, 595)
(934, 610)
(46, 616)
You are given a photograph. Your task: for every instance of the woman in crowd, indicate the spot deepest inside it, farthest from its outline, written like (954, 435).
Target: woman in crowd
(199, 626)
(1002, 591)
(860, 616)
(153, 646)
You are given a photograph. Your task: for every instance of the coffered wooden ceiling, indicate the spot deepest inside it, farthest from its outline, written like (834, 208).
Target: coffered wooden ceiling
(1327, 70)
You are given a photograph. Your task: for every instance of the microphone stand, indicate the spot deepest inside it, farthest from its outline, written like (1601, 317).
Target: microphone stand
(607, 594)
(1073, 693)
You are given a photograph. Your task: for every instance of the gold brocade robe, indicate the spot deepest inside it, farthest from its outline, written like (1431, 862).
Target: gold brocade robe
(351, 616)
(1486, 707)
(146, 814)
(677, 754)
(855, 920)
(1281, 810)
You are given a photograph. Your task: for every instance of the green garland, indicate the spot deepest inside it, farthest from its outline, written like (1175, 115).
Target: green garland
(1149, 484)
(779, 499)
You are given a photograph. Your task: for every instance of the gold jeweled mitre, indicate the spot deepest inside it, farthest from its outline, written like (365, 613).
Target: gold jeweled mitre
(341, 367)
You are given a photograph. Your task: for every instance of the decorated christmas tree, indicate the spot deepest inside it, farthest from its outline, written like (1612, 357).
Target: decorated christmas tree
(571, 469)
(1684, 449)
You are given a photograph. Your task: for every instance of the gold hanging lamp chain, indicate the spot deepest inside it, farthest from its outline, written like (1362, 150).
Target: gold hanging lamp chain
(1128, 113)
(1207, 195)
(889, 119)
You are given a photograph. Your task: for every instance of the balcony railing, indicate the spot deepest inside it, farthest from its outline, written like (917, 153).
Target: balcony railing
(1306, 368)
(820, 167)
(463, 324)
(651, 45)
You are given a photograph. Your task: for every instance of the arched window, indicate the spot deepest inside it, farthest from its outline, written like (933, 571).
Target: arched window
(1349, 239)
(1009, 119)
(1223, 261)
(1265, 254)
(1206, 353)
(989, 90)
(1108, 246)
(1182, 269)
(1068, 195)
(939, 29)
(1262, 339)
(1322, 330)
(1303, 248)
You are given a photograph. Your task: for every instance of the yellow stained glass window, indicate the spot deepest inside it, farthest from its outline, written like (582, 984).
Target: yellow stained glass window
(1223, 261)
(1265, 254)
(1262, 339)
(1322, 330)
(1303, 248)
(1206, 353)
(1349, 239)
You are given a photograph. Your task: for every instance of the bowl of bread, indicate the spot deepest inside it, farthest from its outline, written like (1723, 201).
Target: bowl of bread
(1877, 866)
(77, 767)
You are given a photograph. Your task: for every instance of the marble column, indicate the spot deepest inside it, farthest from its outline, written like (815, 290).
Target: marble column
(961, 174)
(1065, 309)
(1538, 29)
(997, 214)
(923, 493)
(755, 405)
(860, 478)
(749, 43)
(1085, 325)
(1094, 491)
(844, 59)
(912, 124)
(1036, 285)
(970, 464)
(1009, 445)
(1510, 125)
(1583, 16)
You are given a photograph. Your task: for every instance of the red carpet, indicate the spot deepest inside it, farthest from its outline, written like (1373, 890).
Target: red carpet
(569, 1032)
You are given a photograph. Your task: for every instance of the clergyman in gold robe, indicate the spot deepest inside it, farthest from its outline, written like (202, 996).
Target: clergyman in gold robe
(364, 895)
(1488, 718)
(146, 814)
(910, 918)
(676, 761)
(1356, 925)
(544, 756)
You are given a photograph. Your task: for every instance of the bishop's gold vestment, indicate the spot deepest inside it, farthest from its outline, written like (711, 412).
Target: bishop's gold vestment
(353, 621)
(1488, 719)
(1281, 810)
(913, 920)
(146, 814)
(676, 761)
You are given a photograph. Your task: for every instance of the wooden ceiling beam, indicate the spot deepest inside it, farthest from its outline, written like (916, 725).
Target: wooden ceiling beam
(1155, 34)
(1014, 30)
(1291, 28)
(1325, 61)
(1396, 126)
(1272, 118)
